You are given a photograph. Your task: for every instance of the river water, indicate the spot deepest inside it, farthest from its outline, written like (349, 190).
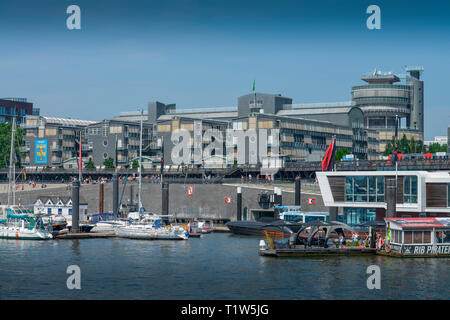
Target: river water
(217, 266)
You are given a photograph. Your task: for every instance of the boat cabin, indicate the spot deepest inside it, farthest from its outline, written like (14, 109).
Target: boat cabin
(294, 214)
(418, 236)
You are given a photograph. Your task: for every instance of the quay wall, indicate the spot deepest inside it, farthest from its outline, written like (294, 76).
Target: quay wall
(206, 202)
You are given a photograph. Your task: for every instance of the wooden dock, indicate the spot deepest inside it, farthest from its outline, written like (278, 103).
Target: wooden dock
(195, 235)
(221, 229)
(316, 251)
(85, 235)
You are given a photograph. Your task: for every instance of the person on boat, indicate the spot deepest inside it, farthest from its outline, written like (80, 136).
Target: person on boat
(341, 240)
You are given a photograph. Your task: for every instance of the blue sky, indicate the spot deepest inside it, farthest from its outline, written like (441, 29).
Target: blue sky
(207, 53)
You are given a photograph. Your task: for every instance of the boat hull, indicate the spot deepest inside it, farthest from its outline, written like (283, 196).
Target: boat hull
(149, 234)
(24, 234)
(260, 229)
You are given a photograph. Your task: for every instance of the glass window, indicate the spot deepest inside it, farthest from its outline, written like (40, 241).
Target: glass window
(356, 216)
(410, 189)
(49, 210)
(408, 237)
(364, 189)
(448, 195)
(418, 236)
(60, 211)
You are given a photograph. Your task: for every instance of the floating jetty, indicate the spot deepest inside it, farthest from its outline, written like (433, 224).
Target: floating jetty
(316, 251)
(85, 235)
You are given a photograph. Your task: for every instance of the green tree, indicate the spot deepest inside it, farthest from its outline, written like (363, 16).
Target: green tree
(404, 145)
(5, 144)
(135, 164)
(109, 163)
(90, 164)
(436, 147)
(340, 153)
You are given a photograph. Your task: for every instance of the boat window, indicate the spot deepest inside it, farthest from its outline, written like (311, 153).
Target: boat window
(408, 237)
(396, 236)
(442, 237)
(417, 237)
(312, 218)
(426, 237)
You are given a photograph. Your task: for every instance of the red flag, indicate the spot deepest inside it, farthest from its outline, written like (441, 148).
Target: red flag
(328, 161)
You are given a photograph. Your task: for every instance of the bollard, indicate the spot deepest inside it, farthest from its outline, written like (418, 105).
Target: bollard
(75, 206)
(115, 193)
(298, 188)
(391, 197)
(333, 213)
(100, 204)
(165, 199)
(239, 204)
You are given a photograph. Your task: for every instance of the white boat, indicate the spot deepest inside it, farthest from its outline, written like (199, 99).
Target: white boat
(106, 222)
(150, 227)
(17, 223)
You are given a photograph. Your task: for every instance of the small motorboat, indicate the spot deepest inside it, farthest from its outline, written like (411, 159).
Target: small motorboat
(201, 226)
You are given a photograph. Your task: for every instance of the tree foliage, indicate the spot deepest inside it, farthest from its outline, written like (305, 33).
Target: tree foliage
(405, 146)
(135, 164)
(109, 163)
(340, 153)
(90, 164)
(5, 144)
(436, 147)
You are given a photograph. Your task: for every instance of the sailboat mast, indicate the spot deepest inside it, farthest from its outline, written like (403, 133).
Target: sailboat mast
(12, 167)
(140, 163)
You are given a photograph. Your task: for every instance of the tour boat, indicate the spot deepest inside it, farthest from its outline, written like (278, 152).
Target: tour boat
(417, 237)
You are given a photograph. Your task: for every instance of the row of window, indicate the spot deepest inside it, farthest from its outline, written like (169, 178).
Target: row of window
(12, 111)
(49, 211)
(420, 237)
(364, 189)
(371, 189)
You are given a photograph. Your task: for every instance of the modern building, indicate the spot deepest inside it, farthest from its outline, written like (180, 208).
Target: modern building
(384, 98)
(119, 140)
(51, 141)
(360, 195)
(441, 140)
(17, 108)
